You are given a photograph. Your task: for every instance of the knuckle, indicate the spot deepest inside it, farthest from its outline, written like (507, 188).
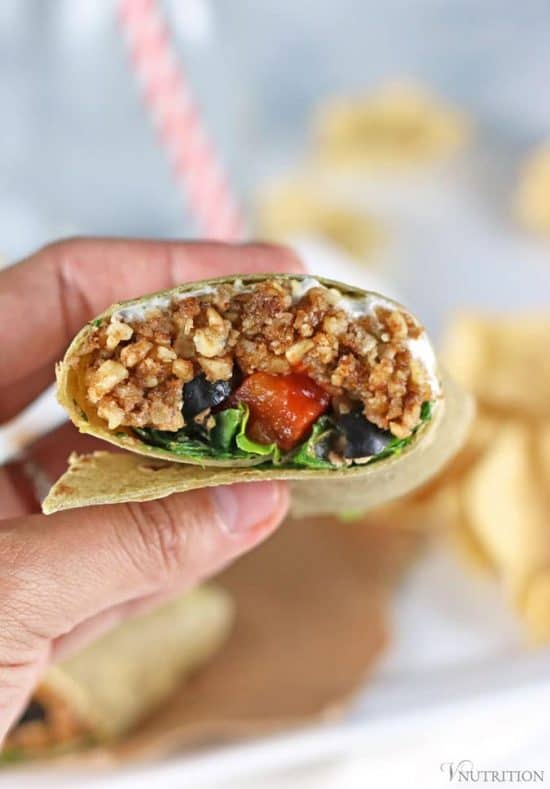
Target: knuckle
(62, 253)
(278, 256)
(64, 248)
(157, 543)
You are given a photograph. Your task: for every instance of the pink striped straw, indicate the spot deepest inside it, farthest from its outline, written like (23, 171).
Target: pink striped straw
(169, 101)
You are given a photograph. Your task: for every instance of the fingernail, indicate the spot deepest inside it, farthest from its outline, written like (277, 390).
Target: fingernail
(243, 506)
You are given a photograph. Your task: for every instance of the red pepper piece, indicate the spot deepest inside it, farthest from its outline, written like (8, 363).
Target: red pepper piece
(282, 407)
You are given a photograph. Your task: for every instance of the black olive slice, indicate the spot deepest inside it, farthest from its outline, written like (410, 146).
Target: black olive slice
(361, 438)
(200, 394)
(34, 712)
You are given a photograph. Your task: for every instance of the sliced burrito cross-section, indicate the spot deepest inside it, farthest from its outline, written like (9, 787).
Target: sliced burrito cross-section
(266, 376)
(288, 371)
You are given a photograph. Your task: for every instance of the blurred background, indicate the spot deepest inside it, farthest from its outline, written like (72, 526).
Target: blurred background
(80, 155)
(400, 147)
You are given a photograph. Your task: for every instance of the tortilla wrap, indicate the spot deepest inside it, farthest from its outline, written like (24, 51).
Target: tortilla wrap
(321, 487)
(103, 691)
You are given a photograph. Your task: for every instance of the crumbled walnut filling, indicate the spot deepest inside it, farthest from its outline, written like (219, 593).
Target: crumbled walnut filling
(135, 353)
(104, 378)
(296, 352)
(211, 340)
(138, 368)
(220, 369)
(117, 332)
(183, 369)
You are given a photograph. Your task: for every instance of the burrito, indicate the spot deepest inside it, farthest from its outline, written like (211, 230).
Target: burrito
(100, 693)
(250, 377)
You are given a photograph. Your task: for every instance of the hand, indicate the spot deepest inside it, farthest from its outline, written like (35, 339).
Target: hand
(66, 578)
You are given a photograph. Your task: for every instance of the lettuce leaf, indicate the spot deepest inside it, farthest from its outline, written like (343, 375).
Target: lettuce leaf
(226, 428)
(179, 443)
(309, 454)
(426, 411)
(228, 440)
(245, 444)
(225, 441)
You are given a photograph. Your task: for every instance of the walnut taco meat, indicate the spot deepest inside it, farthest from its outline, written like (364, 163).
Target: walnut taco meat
(295, 375)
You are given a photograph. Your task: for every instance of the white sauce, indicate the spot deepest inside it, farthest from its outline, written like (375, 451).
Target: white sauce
(138, 312)
(421, 349)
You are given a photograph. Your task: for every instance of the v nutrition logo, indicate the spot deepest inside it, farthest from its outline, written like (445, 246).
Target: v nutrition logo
(464, 772)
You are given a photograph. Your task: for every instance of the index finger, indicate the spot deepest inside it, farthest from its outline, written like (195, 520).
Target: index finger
(46, 299)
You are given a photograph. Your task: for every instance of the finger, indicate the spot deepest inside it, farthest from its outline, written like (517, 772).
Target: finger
(25, 481)
(47, 298)
(65, 569)
(50, 453)
(86, 561)
(93, 628)
(14, 397)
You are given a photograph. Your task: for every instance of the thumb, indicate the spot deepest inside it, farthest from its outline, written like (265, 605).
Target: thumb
(61, 570)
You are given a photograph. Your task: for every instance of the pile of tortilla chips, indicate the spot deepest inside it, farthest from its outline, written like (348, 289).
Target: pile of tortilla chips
(397, 125)
(388, 130)
(496, 494)
(533, 198)
(297, 208)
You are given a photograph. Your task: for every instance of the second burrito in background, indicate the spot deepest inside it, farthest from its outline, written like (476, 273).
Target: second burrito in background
(100, 693)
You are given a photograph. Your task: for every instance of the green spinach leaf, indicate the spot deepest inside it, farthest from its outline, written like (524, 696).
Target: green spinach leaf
(307, 454)
(228, 422)
(225, 441)
(245, 444)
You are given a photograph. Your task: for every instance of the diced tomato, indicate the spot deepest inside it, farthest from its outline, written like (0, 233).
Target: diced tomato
(282, 407)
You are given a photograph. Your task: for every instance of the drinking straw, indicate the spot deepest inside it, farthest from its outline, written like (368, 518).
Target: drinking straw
(169, 100)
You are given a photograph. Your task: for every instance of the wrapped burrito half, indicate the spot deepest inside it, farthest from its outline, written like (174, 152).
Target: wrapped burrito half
(100, 693)
(271, 376)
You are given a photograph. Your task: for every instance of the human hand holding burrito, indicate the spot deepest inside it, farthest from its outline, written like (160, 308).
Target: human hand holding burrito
(67, 578)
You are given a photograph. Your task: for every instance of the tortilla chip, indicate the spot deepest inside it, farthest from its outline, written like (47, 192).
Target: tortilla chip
(536, 607)
(466, 542)
(493, 499)
(503, 505)
(286, 211)
(499, 359)
(542, 458)
(533, 197)
(399, 124)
